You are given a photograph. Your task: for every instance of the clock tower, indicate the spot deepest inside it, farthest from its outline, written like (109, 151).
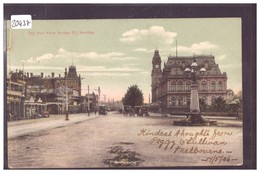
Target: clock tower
(156, 71)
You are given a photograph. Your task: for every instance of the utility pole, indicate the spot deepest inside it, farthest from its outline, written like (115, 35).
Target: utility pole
(99, 91)
(23, 94)
(67, 106)
(88, 102)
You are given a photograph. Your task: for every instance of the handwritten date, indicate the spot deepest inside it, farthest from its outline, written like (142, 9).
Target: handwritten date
(218, 159)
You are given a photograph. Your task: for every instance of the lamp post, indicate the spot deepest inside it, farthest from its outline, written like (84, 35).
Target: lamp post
(99, 91)
(194, 116)
(22, 105)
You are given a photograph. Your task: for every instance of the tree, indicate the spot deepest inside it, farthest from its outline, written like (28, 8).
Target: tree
(236, 104)
(203, 105)
(219, 104)
(133, 97)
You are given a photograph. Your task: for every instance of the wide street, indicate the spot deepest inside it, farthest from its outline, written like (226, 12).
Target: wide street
(116, 141)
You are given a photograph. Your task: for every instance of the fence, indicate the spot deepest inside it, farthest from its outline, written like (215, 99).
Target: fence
(224, 114)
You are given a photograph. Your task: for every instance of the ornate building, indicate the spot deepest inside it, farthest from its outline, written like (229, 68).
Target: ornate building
(29, 95)
(51, 91)
(171, 86)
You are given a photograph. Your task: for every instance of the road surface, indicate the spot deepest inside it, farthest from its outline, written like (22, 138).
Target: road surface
(122, 141)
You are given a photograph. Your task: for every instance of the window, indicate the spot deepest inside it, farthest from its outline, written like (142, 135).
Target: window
(213, 85)
(204, 86)
(180, 100)
(212, 99)
(173, 101)
(220, 85)
(188, 100)
(205, 99)
(188, 85)
(173, 86)
(180, 86)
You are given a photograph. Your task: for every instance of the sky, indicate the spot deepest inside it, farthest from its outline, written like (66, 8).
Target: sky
(114, 54)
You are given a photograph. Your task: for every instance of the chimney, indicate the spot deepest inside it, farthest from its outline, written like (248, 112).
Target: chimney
(59, 75)
(27, 74)
(31, 74)
(52, 74)
(42, 75)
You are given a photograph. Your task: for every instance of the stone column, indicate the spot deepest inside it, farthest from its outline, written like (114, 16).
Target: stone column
(194, 99)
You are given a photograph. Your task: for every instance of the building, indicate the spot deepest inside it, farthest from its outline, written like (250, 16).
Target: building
(171, 86)
(30, 95)
(15, 95)
(48, 93)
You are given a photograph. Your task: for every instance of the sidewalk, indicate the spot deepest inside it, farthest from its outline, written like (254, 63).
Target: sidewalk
(222, 121)
(23, 127)
(184, 116)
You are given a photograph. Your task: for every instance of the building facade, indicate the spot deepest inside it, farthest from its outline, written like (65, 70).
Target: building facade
(52, 90)
(15, 95)
(171, 86)
(28, 94)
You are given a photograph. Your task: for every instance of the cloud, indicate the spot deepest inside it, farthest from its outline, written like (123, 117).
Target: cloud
(157, 32)
(94, 55)
(142, 50)
(67, 55)
(36, 67)
(196, 47)
(229, 66)
(221, 57)
(111, 74)
(38, 59)
(104, 69)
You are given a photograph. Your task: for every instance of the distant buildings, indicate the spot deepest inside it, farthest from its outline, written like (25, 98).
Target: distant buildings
(30, 95)
(171, 86)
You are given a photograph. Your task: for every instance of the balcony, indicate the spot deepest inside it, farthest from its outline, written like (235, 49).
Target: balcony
(14, 93)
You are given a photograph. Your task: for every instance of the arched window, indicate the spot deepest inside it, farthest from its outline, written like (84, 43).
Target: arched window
(173, 101)
(220, 85)
(180, 101)
(205, 99)
(203, 85)
(213, 85)
(212, 99)
(188, 100)
(188, 85)
(180, 87)
(173, 86)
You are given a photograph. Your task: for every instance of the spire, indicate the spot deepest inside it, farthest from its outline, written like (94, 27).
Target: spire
(156, 57)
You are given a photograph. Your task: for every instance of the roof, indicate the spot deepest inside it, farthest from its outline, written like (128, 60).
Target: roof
(156, 57)
(177, 65)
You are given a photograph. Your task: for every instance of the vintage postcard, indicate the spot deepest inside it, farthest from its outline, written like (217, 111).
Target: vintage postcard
(124, 93)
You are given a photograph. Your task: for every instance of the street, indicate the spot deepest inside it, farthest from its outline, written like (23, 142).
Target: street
(119, 141)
